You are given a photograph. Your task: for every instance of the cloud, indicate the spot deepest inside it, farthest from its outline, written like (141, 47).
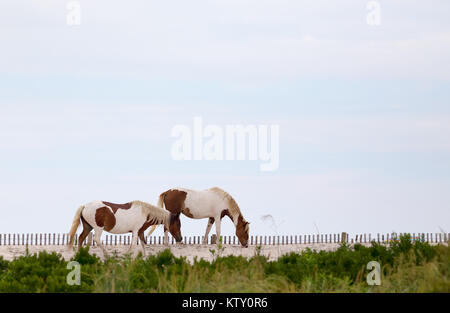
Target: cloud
(382, 134)
(248, 40)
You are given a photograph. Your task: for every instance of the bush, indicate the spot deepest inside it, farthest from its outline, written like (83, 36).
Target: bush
(406, 267)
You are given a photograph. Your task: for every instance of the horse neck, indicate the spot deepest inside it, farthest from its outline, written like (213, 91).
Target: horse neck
(239, 219)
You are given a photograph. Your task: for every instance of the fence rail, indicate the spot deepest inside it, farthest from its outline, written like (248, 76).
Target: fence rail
(40, 239)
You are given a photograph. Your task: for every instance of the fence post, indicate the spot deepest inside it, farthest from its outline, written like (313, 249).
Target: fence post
(344, 237)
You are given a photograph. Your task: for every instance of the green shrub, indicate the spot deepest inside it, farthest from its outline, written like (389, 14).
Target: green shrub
(406, 267)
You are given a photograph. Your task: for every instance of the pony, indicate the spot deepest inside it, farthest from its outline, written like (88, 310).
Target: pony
(134, 217)
(213, 203)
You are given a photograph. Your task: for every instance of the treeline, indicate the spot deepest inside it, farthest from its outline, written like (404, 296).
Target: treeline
(406, 266)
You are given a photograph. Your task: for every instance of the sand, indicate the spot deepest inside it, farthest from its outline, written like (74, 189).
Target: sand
(189, 251)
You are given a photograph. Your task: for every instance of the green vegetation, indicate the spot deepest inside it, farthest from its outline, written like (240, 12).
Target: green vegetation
(405, 267)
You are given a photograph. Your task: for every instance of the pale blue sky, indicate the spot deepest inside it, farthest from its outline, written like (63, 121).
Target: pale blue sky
(86, 112)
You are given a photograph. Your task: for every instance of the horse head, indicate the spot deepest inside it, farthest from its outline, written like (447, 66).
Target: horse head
(242, 231)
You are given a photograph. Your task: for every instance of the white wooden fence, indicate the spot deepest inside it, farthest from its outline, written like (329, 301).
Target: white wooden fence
(114, 240)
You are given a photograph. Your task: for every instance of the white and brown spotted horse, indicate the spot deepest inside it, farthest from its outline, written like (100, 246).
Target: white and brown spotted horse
(213, 203)
(134, 217)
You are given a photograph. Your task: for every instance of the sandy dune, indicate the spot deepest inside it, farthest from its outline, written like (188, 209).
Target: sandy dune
(188, 251)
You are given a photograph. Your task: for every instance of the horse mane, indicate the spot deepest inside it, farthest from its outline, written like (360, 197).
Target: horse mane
(156, 215)
(233, 207)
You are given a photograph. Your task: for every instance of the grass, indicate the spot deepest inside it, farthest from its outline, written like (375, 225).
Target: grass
(405, 267)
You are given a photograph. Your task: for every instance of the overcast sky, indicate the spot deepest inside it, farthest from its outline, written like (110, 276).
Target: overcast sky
(86, 112)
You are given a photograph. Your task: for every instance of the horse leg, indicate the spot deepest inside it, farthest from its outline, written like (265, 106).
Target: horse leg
(143, 241)
(208, 228)
(142, 237)
(97, 237)
(166, 236)
(217, 220)
(133, 242)
(86, 230)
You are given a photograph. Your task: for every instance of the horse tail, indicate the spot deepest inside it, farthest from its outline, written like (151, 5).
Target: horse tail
(75, 224)
(161, 205)
(161, 200)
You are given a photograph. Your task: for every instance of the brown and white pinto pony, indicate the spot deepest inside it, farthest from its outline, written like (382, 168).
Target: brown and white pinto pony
(134, 217)
(213, 203)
